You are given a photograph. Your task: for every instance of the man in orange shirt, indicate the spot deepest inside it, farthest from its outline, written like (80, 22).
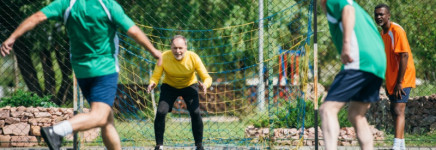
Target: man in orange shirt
(400, 71)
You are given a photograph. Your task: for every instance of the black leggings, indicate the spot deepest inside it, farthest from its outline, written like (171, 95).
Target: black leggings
(168, 95)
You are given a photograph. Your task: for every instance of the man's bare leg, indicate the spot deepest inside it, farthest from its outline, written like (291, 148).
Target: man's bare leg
(330, 126)
(356, 115)
(110, 135)
(97, 117)
(100, 116)
(397, 111)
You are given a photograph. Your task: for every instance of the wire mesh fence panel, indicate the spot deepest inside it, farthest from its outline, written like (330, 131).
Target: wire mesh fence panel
(226, 37)
(258, 54)
(412, 16)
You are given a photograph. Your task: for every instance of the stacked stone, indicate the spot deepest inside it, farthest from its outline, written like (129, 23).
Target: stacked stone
(286, 136)
(20, 126)
(420, 114)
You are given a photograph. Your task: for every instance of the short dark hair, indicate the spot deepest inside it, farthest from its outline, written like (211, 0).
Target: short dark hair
(179, 36)
(383, 6)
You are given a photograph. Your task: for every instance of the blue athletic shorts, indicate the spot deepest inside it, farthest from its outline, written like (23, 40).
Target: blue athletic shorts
(355, 85)
(403, 99)
(100, 89)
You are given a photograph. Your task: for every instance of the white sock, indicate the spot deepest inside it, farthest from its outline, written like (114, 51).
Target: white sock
(403, 144)
(397, 144)
(63, 129)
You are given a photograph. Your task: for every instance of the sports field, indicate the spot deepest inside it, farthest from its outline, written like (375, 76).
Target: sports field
(260, 55)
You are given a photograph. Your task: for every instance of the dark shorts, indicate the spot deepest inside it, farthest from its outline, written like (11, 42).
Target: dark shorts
(403, 99)
(355, 85)
(100, 89)
(169, 95)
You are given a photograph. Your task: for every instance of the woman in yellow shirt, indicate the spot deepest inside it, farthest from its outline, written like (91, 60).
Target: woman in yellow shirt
(179, 66)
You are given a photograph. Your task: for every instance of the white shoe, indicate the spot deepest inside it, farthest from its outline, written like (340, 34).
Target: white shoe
(158, 147)
(403, 146)
(396, 148)
(397, 144)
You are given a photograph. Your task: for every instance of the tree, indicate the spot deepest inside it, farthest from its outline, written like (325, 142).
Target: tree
(39, 44)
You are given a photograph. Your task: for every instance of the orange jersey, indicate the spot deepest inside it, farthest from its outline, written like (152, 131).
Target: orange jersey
(396, 42)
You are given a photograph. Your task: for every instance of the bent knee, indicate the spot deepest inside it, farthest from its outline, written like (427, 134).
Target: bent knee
(99, 119)
(323, 110)
(354, 117)
(161, 112)
(351, 118)
(195, 112)
(102, 121)
(398, 112)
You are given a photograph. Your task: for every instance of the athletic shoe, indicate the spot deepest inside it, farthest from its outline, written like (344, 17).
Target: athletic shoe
(395, 148)
(159, 147)
(397, 144)
(403, 145)
(53, 140)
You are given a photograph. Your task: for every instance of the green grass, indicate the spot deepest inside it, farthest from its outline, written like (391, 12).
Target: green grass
(425, 89)
(141, 133)
(413, 140)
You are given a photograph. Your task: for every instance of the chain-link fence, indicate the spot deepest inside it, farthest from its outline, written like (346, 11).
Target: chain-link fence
(414, 18)
(249, 47)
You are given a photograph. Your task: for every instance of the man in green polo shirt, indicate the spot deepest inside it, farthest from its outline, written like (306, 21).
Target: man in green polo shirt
(364, 63)
(92, 27)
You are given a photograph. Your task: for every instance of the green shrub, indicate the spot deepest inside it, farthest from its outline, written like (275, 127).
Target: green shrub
(26, 99)
(290, 115)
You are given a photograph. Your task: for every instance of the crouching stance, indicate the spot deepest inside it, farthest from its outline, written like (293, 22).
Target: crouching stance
(179, 66)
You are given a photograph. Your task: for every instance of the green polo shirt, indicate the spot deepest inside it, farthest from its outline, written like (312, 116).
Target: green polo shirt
(367, 48)
(92, 35)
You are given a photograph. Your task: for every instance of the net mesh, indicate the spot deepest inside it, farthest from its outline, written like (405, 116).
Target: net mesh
(231, 56)
(225, 33)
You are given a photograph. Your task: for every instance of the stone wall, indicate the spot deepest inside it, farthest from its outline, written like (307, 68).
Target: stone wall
(420, 114)
(285, 136)
(20, 126)
(420, 118)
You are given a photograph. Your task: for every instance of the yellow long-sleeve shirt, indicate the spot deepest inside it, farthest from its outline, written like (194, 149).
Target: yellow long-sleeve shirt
(181, 74)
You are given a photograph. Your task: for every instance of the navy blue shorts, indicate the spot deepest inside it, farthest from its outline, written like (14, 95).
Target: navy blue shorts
(355, 85)
(403, 99)
(100, 89)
